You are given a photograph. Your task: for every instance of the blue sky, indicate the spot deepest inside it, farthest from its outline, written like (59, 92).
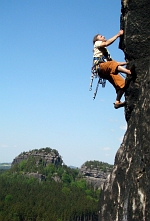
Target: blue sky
(45, 68)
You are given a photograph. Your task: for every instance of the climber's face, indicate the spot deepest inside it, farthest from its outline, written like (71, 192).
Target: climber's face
(101, 38)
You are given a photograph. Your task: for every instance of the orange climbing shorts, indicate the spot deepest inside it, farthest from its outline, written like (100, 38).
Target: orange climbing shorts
(108, 70)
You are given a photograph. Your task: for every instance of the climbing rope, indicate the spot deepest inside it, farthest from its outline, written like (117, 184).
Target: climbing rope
(101, 81)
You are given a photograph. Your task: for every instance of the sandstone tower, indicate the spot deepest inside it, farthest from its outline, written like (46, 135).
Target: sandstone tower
(126, 193)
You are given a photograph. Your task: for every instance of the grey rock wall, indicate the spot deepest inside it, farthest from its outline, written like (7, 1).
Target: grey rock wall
(48, 157)
(94, 176)
(125, 195)
(37, 175)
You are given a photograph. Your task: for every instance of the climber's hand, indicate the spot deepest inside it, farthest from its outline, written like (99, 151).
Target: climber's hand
(120, 32)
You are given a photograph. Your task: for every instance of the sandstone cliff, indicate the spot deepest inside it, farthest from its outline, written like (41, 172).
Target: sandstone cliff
(94, 172)
(48, 156)
(126, 193)
(95, 175)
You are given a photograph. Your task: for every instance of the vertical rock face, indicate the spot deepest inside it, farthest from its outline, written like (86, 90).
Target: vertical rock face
(126, 193)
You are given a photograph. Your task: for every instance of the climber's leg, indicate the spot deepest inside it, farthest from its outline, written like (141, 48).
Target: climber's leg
(123, 70)
(118, 103)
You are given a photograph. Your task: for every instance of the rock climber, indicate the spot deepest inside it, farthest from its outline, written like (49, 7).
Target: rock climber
(108, 68)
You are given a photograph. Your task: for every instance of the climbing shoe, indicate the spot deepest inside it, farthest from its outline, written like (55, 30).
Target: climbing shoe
(121, 104)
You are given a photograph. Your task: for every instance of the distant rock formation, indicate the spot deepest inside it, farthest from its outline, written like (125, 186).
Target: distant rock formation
(125, 195)
(44, 155)
(48, 155)
(94, 172)
(95, 176)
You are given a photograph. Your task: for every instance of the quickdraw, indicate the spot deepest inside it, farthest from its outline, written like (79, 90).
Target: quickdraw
(95, 70)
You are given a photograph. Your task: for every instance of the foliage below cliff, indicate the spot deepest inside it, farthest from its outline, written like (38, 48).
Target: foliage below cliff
(62, 194)
(40, 187)
(27, 199)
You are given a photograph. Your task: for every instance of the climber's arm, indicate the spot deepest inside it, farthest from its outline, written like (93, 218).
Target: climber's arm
(111, 40)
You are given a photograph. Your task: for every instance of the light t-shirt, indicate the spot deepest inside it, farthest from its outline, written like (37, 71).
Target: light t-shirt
(100, 51)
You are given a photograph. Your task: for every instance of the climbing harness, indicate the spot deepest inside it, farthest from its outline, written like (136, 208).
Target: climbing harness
(95, 70)
(95, 73)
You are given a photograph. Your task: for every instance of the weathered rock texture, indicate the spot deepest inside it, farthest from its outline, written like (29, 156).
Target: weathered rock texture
(94, 176)
(37, 175)
(47, 155)
(126, 193)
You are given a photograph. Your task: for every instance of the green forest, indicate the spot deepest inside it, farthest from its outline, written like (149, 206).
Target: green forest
(24, 198)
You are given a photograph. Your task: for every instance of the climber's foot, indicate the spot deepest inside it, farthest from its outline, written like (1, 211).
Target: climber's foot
(120, 104)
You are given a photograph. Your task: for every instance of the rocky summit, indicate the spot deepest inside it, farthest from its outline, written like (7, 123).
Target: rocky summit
(125, 195)
(95, 173)
(47, 155)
